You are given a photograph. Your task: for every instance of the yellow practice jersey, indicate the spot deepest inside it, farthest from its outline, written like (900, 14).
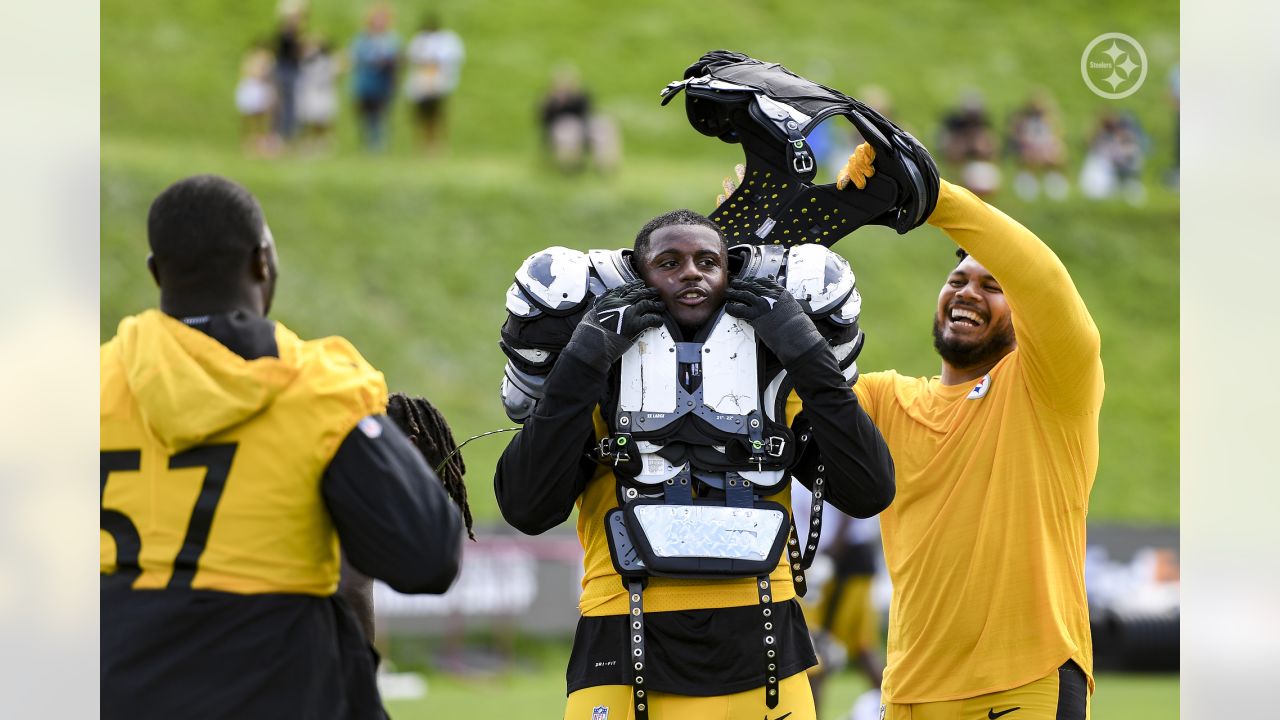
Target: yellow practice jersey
(985, 541)
(211, 464)
(603, 592)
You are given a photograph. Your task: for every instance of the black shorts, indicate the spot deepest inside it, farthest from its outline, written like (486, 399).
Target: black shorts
(429, 108)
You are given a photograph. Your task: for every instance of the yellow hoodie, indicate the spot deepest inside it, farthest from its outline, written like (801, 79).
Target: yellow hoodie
(211, 464)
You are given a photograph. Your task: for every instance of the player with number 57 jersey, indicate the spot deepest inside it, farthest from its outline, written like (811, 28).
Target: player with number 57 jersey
(236, 458)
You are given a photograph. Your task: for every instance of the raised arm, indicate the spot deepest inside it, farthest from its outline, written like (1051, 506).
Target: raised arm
(854, 455)
(546, 466)
(393, 516)
(856, 460)
(1056, 335)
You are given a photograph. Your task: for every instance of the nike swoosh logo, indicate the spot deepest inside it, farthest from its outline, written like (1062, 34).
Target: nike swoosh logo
(992, 714)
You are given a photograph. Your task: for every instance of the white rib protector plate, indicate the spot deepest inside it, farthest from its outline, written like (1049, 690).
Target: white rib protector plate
(710, 531)
(729, 383)
(649, 373)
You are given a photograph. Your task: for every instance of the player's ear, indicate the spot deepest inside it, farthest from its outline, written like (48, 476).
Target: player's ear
(261, 263)
(153, 269)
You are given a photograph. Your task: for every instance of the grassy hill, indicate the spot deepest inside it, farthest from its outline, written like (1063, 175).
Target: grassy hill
(409, 257)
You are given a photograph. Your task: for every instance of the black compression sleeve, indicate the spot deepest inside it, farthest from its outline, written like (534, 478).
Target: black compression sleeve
(393, 516)
(545, 468)
(857, 460)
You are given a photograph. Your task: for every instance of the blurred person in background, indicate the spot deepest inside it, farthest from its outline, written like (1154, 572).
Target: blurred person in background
(318, 93)
(968, 144)
(842, 617)
(288, 52)
(434, 58)
(375, 59)
(234, 456)
(1113, 164)
(834, 140)
(995, 459)
(1035, 141)
(256, 101)
(572, 133)
(722, 635)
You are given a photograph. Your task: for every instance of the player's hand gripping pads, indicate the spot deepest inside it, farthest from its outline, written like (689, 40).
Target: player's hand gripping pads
(776, 317)
(771, 110)
(612, 324)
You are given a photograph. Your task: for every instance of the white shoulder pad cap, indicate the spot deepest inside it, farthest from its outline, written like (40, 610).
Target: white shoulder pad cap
(555, 279)
(818, 278)
(519, 304)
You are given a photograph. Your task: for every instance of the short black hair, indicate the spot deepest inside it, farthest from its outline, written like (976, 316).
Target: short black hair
(203, 230)
(961, 254)
(675, 217)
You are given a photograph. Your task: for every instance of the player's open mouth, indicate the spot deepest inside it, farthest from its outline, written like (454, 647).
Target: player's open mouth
(964, 317)
(693, 296)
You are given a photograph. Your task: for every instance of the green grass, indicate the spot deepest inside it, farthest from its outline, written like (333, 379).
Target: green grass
(540, 694)
(409, 258)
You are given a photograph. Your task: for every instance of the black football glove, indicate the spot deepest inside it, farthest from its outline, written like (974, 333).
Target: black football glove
(776, 317)
(609, 328)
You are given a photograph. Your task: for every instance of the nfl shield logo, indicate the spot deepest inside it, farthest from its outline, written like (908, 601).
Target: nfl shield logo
(600, 712)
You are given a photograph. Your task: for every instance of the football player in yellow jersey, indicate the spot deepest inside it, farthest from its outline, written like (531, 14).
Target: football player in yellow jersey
(234, 455)
(703, 641)
(995, 460)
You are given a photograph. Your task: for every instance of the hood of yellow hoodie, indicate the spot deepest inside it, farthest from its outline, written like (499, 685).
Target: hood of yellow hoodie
(189, 386)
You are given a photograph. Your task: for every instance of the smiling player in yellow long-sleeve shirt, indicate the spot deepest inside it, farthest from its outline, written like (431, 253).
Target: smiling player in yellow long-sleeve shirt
(995, 459)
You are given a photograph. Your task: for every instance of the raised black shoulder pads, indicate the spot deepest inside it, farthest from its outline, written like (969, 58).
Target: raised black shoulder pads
(771, 110)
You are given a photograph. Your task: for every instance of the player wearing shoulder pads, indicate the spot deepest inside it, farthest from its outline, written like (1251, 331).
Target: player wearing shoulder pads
(669, 392)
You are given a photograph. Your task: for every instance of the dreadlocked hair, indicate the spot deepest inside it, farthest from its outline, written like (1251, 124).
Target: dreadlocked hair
(430, 433)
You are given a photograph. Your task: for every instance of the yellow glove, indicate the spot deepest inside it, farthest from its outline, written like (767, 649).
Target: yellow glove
(858, 168)
(729, 185)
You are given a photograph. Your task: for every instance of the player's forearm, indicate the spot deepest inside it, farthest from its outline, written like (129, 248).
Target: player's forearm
(356, 589)
(395, 520)
(855, 458)
(543, 470)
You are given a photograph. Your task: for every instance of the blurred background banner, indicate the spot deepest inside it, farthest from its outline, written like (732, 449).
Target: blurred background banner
(409, 155)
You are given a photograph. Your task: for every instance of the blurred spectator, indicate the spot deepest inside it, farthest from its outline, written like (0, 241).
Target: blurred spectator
(288, 49)
(375, 56)
(1035, 141)
(1113, 164)
(318, 92)
(969, 144)
(435, 60)
(571, 132)
(255, 100)
(834, 140)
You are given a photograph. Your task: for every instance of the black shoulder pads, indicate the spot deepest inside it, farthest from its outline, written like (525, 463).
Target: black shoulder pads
(771, 110)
